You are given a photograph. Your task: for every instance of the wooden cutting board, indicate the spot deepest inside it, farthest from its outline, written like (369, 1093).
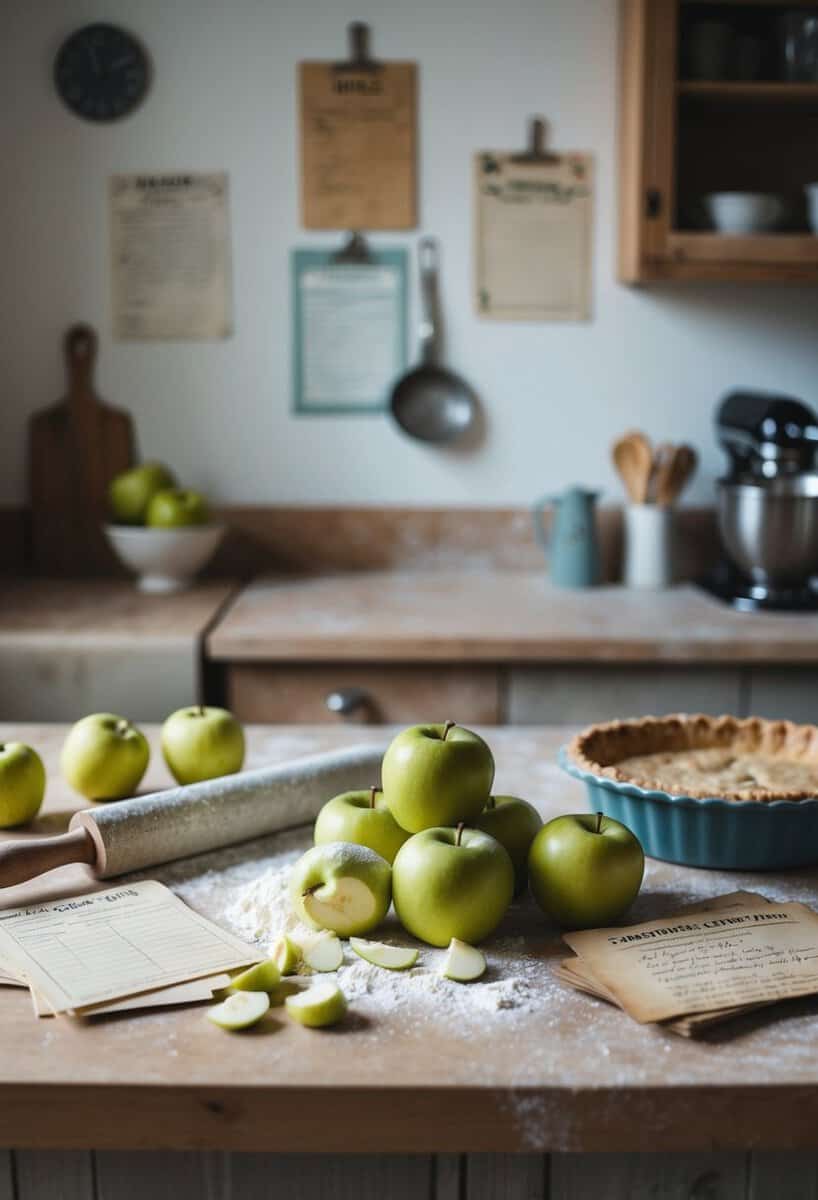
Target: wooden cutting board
(76, 446)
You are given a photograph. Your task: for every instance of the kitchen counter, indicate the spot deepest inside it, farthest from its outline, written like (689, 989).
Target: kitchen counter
(567, 1073)
(68, 647)
(495, 617)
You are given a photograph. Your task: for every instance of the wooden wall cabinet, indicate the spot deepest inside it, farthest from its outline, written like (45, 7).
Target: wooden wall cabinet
(682, 135)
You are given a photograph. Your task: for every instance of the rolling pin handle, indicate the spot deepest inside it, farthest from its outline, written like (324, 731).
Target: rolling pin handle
(23, 860)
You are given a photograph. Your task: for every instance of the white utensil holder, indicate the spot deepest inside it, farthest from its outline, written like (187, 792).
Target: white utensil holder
(648, 561)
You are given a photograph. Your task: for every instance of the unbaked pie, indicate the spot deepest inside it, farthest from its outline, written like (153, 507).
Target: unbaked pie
(705, 757)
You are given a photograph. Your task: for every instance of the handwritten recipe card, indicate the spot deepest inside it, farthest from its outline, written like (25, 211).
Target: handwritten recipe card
(706, 960)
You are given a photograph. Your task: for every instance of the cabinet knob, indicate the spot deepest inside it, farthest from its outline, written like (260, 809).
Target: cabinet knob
(349, 703)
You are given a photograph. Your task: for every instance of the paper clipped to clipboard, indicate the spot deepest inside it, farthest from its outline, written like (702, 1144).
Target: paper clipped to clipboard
(533, 229)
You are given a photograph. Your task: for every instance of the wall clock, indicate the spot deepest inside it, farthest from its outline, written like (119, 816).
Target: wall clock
(101, 72)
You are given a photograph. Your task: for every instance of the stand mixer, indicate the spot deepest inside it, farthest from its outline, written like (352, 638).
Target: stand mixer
(768, 501)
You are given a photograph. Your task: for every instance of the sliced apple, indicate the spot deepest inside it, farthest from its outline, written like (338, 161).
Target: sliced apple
(323, 952)
(344, 905)
(240, 1010)
(463, 962)
(286, 955)
(321, 1005)
(393, 958)
(263, 977)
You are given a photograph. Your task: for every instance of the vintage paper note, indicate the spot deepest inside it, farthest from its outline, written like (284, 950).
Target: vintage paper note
(170, 249)
(358, 146)
(533, 231)
(107, 946)
(707, 960)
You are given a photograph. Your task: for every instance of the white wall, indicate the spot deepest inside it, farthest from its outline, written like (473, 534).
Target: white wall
(223, 97)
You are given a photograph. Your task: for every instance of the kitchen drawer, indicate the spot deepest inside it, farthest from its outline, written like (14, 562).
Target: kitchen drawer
(289, 694)
(580, 695)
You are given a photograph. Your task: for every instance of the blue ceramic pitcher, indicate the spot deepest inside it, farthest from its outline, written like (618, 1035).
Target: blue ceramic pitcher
(571, 546)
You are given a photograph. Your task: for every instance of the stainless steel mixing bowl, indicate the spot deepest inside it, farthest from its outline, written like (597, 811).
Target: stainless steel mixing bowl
(770, 529)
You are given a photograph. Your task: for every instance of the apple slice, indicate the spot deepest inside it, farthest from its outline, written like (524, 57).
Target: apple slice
(463, 962)
(318, 1006)
(240, 1010)
(344, 904)
(393, 958)
(323, 953)
(263, 977)
(286, 955)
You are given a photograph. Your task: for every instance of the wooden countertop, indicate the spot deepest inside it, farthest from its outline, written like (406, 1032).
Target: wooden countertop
(496, 616)
(573, 1074)
(104, 614)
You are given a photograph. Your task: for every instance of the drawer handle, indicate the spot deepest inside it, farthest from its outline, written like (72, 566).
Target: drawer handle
(347, 702)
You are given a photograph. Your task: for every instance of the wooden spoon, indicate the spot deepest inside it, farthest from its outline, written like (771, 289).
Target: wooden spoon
(675, 468)
(633, 459)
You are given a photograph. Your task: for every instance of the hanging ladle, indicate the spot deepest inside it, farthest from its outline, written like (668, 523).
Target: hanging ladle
(430, 402)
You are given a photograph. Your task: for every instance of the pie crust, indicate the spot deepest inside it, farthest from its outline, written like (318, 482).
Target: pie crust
(704, 757)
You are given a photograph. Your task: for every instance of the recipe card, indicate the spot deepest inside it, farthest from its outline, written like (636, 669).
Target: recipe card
(92, 949)
(706, 960)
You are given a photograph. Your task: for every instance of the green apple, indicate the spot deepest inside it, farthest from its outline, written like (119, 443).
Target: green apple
(514, 823)
(130, 492)
(202, 743)
(452, 883)
(585, 870)
(173, 508)
(393, 958)
(463, 962)
(363, 818)
(22, 784)
(263, 977)
(321, 1005)
(435, 775)
(240, 1010)
(342, 887)
(322, 952)
(286, 954)
(104, 757)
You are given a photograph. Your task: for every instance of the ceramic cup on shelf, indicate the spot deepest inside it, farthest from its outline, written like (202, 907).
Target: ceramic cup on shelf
(743, 213)
(648, 559)
(811, 191)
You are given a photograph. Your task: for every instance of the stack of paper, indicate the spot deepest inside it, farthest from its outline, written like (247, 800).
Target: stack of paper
(135, 946)
(700, 966)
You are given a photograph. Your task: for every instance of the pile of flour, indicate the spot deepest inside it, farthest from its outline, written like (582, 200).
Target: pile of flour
(260, 911)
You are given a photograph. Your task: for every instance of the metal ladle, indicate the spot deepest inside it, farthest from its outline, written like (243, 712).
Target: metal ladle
(430, 402)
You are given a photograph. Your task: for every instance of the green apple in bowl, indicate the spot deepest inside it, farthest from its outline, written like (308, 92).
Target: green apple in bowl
(363, 818)
(173, 508)
(202, 743)
(22, 784)
(130, 492)
(585, 870)
(452, 883)
(436, 775)
(104, 757)
(341, 887)
(514, 823)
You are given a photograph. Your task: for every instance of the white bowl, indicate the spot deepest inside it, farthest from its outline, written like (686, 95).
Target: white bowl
(164, 560)
(745, 213)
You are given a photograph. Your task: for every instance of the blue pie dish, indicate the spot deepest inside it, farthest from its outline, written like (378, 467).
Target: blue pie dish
(746, 835)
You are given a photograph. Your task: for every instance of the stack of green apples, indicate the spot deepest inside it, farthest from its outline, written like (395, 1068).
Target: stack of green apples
(451, 855)
(148, 495)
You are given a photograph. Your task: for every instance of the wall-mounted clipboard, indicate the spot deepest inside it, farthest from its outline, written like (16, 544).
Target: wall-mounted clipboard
(533, 233)
(349, 327)
(358, 141)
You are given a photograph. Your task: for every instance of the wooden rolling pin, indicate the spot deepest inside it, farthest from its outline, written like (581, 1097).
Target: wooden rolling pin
(131, 835)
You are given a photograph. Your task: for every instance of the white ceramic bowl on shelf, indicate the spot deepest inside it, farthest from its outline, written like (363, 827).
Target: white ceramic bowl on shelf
(745, 213)
(164, 560)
